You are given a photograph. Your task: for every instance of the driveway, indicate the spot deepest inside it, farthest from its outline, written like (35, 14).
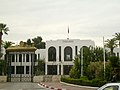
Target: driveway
(20, 86)
(66, 86)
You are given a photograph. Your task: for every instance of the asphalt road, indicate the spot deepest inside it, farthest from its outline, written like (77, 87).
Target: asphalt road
(20, 86)
(35, 86)
(68, 86)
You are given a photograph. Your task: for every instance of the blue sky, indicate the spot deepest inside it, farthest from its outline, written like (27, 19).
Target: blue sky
(87, 19)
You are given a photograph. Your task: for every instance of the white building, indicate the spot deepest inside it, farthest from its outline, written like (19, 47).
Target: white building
(60, 54)
(20, 63)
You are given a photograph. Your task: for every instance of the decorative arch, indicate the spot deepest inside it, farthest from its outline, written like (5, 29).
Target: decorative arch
(68, 53)
(52, 54)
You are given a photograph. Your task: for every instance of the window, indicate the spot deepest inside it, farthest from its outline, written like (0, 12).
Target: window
(111, 88)
(68, 57)
(52, 54)
(68, 54)
(66, 69)
(27, 57)
(12, 69)
(13, 57)
(75, 50)
(52, 69)
(23, 57)
(19, 69)
(27, 69)
(20, 57)
(59, 53)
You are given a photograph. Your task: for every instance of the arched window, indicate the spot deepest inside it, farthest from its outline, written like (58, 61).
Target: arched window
(52, 54)
(68, 54)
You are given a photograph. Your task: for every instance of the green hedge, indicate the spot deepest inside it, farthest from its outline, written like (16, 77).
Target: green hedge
(95, 82)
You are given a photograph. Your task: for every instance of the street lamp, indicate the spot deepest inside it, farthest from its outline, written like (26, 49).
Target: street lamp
(81, 61)
(104, 56)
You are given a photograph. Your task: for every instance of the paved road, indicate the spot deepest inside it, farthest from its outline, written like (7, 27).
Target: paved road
(35, 86)
(20, 86)
(67, 86)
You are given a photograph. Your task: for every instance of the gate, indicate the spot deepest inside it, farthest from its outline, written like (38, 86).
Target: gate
(18, 72)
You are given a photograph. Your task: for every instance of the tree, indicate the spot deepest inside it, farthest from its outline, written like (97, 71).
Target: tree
(75, 71)
(40, 68)
(7, 44)
(111, 43)
(95, 70)
(117, 37)
(2, 67)
(38, 43)
(114, 61)
(29, 42)
(3, 29)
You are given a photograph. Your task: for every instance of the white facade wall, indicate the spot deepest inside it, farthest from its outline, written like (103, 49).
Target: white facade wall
(41, 54)
(64, 43)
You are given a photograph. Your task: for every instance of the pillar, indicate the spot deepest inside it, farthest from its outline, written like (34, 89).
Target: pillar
(58, 69)
(61, 69)
(24, 69)
(45, 68)
(15, 70)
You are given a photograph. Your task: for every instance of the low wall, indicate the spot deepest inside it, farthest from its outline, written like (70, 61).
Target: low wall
(56, 78)
(3, 78)
(38, 78)
(47, 78)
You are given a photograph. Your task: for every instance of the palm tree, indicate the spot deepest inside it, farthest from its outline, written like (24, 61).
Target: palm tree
(117, 37)
(111, 43)
(5, 29)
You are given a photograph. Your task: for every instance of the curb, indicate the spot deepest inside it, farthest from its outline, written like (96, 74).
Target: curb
(50, 87)
(79, 85)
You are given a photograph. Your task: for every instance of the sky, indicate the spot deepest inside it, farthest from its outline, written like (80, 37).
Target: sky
(50, 19)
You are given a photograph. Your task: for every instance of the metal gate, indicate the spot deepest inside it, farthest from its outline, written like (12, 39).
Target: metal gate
(19, 77)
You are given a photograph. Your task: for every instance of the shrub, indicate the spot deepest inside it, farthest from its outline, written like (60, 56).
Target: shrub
(94, 82)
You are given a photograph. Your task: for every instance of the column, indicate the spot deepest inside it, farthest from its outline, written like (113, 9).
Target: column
(17, 57)
(15, 63)
(57, 69)
(24, 69)
(15, 70)
(45, 68)
(25, 57)
(30, 67)
(30, 59)
(61, 69)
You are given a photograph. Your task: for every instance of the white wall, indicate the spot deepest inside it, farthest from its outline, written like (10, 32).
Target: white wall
(41, 52)
(67, 42)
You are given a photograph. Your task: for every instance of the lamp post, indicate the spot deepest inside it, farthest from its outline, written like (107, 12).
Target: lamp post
(104, 56)
(81, 61)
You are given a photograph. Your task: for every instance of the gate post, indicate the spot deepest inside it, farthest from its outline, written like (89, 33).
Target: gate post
(8, 57)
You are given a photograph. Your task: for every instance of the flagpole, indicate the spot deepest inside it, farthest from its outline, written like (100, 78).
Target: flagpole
(68, 33)
(104, 56)
(81, 61)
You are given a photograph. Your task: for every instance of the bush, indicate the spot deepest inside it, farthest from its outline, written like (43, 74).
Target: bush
(84, 82)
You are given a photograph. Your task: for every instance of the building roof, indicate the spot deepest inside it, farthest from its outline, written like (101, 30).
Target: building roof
(20, 49)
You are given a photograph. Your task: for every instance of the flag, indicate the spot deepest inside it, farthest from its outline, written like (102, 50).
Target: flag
(68, 30)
